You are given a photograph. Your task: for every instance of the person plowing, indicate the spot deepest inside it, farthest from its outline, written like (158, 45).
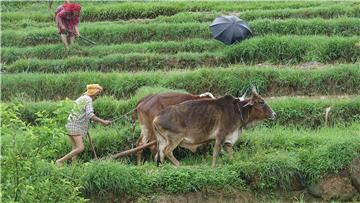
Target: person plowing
(67, 18)
(79, 119)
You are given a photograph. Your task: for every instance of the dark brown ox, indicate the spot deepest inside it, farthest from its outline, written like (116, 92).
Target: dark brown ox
(192, 123)
(149, 106)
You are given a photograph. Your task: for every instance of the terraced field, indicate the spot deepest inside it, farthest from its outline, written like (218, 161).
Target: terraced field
(303, 57)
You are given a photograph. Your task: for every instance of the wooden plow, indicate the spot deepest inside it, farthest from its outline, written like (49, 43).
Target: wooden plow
(133, 150)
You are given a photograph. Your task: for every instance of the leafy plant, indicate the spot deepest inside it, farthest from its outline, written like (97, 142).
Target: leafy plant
(26, 177)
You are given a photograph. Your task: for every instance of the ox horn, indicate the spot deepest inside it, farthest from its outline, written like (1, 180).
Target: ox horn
(253, 90)
(207, 94)
(242, 98)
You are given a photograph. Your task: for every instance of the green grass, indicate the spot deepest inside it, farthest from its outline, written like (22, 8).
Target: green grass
(110, 33)
(340, 79)
(270, 155)
(294, 49)
(326, 11)
(290, 111)
(272, 49)
(115, 11)
(275, 49)
(58, 51)
(119, 62)
(276, 154)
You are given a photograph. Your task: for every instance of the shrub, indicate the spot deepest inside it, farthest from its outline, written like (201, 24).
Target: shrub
(26, 177)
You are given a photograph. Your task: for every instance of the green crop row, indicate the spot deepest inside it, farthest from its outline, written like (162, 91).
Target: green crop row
(58, 51)
(290, 111)
(332, 11)
(110, 33)
(118, 62)
(294, 49)
(116, 11)
(10, 54)
(271, 81)
(273, 49)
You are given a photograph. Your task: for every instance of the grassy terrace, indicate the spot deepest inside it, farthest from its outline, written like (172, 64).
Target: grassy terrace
(57, 51)
(110, 33)
(272, 81)
(333, 11)
(254, 50)
(273, 49)
(115, 11)
(291, 111)
(273, 155)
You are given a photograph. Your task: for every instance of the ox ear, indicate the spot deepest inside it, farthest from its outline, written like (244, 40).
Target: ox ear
(249, 103)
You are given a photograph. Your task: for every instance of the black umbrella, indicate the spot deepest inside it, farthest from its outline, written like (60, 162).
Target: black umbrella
(230, 29)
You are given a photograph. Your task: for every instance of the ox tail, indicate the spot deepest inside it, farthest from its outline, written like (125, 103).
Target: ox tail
(158, 161)
(134, 117)
(134, 150)
(157, 134)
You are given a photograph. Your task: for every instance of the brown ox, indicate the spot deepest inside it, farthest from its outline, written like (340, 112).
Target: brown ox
(149, 106)
(192, 123)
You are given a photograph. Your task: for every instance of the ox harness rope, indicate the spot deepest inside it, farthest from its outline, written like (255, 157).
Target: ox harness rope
(124, 116)
(127, 119)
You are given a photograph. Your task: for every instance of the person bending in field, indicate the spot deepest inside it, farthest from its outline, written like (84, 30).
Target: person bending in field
(78, 121)
(67, 18)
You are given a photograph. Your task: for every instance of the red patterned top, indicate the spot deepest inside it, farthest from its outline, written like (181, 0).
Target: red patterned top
(67, 16)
